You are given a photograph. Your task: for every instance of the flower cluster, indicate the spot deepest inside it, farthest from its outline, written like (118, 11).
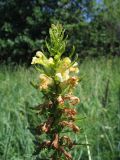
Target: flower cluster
(57, 80)
(63, 71)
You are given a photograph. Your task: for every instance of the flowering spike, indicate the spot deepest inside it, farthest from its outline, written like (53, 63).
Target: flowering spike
(57, 80)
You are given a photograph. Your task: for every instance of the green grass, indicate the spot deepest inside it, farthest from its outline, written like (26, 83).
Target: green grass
(99, 92)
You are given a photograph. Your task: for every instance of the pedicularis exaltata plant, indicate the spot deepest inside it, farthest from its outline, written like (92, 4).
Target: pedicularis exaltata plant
(57, 81)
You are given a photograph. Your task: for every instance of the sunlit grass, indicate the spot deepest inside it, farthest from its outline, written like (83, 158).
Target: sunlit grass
(99, 92)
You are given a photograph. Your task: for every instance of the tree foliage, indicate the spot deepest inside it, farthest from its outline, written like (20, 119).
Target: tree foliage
(92, 27)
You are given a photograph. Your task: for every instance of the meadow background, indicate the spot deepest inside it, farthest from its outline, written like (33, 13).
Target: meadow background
(94, 28)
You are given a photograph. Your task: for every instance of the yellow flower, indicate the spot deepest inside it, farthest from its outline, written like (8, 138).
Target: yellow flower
(74, 68)
(63, 69)
(39, 54)
(64, 64)
(34, 60)
(45, 81)
(66, 61)
(39, 58)
(63, 76)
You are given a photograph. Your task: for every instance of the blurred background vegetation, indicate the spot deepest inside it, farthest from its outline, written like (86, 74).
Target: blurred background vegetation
(93, 27)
